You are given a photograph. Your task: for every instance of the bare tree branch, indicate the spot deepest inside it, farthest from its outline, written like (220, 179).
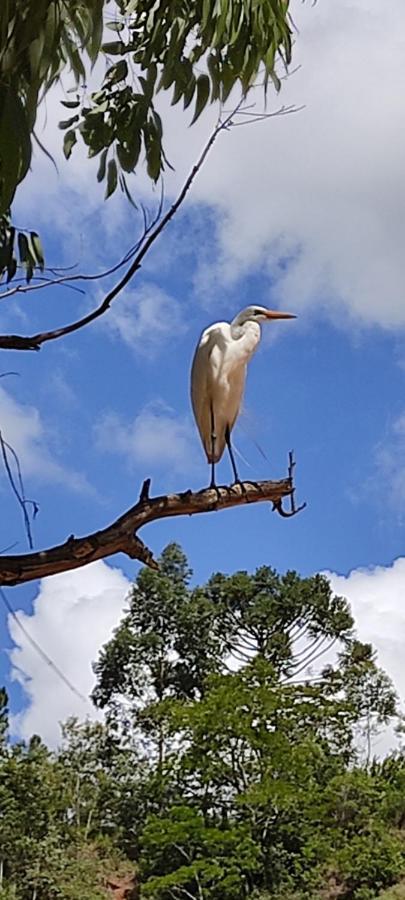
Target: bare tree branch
(121, 536)
(20, 285)
(35, 341)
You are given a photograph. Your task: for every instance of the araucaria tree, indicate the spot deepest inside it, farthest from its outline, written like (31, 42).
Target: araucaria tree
(229, 765)
(250, 740)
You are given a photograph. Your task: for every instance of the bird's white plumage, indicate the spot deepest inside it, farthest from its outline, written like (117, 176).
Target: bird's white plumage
(217, 381)
(218, 376)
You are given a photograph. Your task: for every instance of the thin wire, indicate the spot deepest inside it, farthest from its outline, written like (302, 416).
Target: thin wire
(44, 656)
(19, 492)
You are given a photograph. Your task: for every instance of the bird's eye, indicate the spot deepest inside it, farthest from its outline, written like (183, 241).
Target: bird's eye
(258, 312)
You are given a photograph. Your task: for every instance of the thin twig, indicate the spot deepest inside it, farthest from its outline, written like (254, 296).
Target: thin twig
(19, 490)
(34, 342)
(21, 287)
(259, 117)
(278, 505)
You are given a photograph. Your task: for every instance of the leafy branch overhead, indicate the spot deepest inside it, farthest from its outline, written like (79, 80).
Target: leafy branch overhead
(38, 39)
(132, 259)
(197, 49)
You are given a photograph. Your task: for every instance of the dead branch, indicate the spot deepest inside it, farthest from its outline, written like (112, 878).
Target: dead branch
(35, 341)
(278, 504)
(121, 536)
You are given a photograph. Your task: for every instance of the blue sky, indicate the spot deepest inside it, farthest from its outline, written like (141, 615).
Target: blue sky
(305, 213)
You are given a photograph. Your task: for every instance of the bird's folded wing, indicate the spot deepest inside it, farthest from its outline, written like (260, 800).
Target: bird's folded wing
(201, 379)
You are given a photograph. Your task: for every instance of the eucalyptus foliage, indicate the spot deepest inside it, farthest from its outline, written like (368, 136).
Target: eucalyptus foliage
(37, 40)
(197, 49)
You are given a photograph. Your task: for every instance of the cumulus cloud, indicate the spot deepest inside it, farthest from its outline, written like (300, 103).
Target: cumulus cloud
(376, 596)
(156, 438)
(23, 429)
(316, 199)
(73, 615)
(385, 481)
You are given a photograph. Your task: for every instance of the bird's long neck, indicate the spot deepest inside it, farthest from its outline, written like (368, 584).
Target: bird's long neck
(247, 336)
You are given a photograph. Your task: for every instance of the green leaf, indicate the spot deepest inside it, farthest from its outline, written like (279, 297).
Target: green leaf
(66, 123)
(36, 55)
(117, 72)
(228, 81)
(213, 69)
(115, 26)
(153, 150)
(69, 141)
(203, 93)
(74, 58)
(26, 258)
(128, 154)
(11, 269)
(15, 145)
(96, 35)
(114, 48)
(22, 247)
(112, 177)
(125, 189)
(102, 165)
(276, 81)
(36, 249)
(206, 13)
(189, 92)
(70, 104)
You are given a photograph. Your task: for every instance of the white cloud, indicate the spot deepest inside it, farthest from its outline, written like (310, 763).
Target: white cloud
(376, 596)
(315, 199)
(147, 319)
(23, 429)
(58, 386)
(74, 614)
(322, 188)
(156, 438)
(386, 484)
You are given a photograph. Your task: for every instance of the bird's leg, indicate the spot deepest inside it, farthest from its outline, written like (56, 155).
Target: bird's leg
(213, 439)
(229, 445)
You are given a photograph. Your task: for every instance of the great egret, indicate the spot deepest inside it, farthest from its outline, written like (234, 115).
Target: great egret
(218, 378)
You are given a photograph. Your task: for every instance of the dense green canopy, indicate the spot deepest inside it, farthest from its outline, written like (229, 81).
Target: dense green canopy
(213, 779)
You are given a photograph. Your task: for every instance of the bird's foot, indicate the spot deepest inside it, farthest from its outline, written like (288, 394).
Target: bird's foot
(214, 487)
(242, 485)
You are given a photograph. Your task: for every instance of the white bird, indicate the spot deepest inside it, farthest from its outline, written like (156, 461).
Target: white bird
(218, 376)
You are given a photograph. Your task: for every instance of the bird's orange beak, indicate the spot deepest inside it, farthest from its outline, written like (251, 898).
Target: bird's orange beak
(276, 314)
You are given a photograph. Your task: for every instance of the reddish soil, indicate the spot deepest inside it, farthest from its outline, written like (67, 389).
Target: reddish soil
(122, 887)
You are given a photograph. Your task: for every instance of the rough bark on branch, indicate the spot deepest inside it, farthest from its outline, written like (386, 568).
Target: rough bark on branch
(121, 535)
